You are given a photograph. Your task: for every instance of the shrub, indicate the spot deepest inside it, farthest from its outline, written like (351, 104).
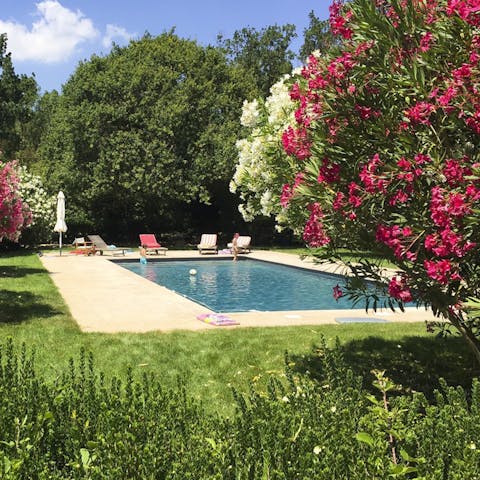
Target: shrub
(82, 426)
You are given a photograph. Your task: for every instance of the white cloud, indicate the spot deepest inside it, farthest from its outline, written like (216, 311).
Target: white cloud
(113, 31)
(53, 38)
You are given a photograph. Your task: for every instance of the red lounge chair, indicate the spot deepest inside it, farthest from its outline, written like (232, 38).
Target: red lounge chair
(150, 243)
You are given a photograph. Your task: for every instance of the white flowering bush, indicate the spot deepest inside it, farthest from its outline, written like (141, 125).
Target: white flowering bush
(263, 166)
(41, 204)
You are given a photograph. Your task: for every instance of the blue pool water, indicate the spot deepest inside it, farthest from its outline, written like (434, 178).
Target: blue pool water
(226, 286)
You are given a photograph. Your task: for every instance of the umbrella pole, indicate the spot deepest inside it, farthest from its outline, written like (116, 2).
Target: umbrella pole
(60, 243)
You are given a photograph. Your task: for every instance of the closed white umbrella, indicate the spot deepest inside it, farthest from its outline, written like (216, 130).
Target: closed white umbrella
(60, 226)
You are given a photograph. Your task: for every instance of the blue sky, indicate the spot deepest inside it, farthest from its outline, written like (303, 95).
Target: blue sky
(50, 37)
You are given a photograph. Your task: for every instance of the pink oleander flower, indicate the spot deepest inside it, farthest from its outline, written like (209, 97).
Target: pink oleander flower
(373, 182)
(353, 199)
(329, 172)
(467, 10)
(447, 243)
(459, 74)
(400, 196)
(443, 271)
(399, 289)
(338, 23)
(367, 112)
(337, 292)
(314, 233)
(295, 142)
(287, 194)
(14, 213)
(395, 237)
(474, 122)
(339, 201)
(455, 173)
(420, 113)
(426, 42)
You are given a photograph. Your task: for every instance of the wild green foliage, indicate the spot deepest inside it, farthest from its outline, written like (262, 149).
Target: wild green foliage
(82, 426)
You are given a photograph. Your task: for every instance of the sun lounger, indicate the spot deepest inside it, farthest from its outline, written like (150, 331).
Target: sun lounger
(82, 246)
(208, 243)
(100, 246)
(150, 243)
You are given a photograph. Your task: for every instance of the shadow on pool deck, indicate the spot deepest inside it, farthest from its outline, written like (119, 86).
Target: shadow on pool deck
(104, 297)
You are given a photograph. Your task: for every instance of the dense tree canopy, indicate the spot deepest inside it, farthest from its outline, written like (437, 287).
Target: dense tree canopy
(17, 96)
(141, 130)
(264, 55)
(317, 36)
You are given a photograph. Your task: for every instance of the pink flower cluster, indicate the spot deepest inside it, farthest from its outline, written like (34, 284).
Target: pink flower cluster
(399, 239)
(420, 113)
(338, 23)
(468, 10)
(329, 172)
(14, 214)
(349, 109)
(398, 288)
(443, 271)
(296, 142)
(288, 191)
(313, 233)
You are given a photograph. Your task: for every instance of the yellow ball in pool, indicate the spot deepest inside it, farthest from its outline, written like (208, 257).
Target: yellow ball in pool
(193, 271)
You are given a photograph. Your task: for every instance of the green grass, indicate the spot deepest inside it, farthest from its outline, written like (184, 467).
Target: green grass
(344, 254)
(32, 311)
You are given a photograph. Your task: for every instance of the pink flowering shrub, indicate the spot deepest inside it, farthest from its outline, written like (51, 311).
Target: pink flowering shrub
(14, 214)
(386, 140)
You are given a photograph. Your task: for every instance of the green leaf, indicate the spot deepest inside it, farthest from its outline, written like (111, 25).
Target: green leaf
(364, 437)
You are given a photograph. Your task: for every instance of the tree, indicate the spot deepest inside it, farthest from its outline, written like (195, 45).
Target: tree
(386, 142)
(317, 36)
(17, 96)
(263, 54)
(141, 131)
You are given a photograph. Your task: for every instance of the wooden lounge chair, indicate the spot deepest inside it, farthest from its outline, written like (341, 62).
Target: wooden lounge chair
(150, 243)
(83, 246)
(100, 246)
(208, 243)
(243, 244)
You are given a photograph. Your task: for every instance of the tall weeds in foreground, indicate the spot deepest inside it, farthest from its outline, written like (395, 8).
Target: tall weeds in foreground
(79, 426)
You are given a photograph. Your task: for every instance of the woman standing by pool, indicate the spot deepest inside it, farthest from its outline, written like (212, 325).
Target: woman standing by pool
(235, 246)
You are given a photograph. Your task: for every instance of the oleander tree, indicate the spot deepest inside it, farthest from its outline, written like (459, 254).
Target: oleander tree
(15, 214)
(384, 153)
(42, 207)
(263, 166)
(386, 141)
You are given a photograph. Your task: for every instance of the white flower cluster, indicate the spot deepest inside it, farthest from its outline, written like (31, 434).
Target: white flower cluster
(262, 164)
(41, 204)
(250, 113)
(279, 105)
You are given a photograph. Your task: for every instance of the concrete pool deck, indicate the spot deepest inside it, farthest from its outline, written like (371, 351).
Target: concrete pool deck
(104, 297)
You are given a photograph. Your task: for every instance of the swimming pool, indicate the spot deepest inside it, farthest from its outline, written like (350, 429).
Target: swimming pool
(247, 285)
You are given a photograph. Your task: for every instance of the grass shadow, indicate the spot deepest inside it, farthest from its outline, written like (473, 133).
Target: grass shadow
(9, 271)
(416, 363)
(21, 306)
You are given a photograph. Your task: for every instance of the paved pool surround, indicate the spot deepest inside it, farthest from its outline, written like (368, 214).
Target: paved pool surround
(104, 297)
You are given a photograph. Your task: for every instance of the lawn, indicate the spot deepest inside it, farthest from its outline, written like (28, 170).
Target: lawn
(32, 311)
